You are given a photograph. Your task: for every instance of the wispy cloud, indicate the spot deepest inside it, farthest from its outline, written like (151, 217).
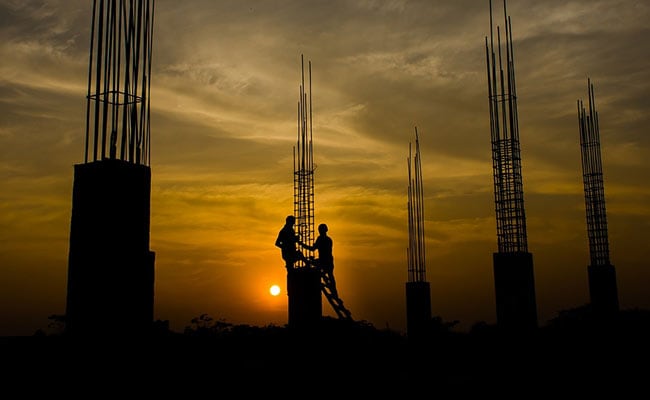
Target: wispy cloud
(224, 107)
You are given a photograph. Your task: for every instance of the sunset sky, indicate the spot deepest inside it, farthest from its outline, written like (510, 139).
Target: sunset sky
(225, 86)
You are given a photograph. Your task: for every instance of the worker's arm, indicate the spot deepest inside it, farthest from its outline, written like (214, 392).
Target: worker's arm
(308, 247)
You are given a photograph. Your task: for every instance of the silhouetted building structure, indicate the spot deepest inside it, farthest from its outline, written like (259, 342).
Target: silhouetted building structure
(110, 288)
(418, 290)
(305, 281)
(513, 265)
(602, 275)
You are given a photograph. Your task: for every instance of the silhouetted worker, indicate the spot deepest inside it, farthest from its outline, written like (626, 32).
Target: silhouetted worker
(286, 241)
(325, 260)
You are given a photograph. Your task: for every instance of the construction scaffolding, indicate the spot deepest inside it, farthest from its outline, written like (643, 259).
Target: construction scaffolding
(119, 81)
(303, 169)
(303, 192)
(418, 290)
(592, 175)
(110, 265)
(602, 274)
(513, 264)
(506, 153)
(416, 251)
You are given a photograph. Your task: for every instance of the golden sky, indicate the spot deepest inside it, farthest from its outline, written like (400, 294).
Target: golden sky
(225, 87)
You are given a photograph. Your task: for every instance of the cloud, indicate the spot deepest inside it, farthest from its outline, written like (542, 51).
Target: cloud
(225, 86)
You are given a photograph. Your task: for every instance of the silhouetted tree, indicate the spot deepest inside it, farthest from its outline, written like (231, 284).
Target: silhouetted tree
(482, 328)
(56, 326)
(437, 326)
(205, 325)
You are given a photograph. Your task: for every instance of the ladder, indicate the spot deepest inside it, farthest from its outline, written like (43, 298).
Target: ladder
(332, 297)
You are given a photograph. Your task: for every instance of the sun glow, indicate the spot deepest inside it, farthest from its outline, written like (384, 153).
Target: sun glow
(274, 290)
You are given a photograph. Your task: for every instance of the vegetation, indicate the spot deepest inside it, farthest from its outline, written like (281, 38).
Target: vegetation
(575, 350)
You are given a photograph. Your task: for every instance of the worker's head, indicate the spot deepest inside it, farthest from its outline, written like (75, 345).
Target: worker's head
(291, 219)
(322, 229)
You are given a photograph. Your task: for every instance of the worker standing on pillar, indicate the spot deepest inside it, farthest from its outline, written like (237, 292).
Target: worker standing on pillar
(286, 241)
(325, 260)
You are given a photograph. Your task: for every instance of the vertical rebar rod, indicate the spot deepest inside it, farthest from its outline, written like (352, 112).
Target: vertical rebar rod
(98, 72)
(593, 181)
(416, 252)
(506, 149)
(119, 81)
(304, 163)
(90, 74)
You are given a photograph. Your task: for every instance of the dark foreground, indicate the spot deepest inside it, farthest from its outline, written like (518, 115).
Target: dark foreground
(338, 358)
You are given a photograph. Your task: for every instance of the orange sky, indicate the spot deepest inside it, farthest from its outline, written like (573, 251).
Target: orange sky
(224, 93)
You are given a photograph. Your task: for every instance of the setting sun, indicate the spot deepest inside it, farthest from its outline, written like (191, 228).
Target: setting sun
(274, 290)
